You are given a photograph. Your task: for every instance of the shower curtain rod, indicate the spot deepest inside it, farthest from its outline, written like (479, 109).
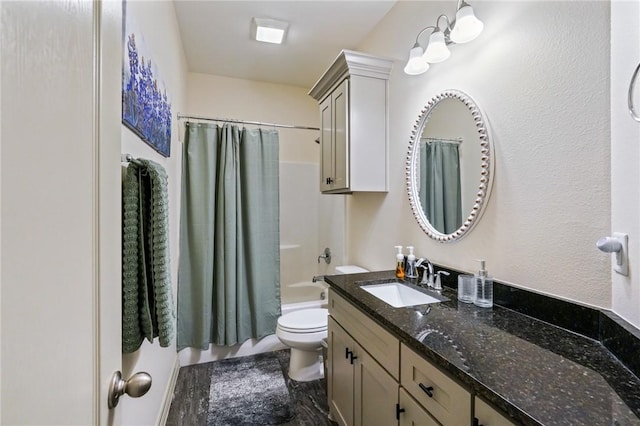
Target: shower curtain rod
(257, 123)
(458, 140)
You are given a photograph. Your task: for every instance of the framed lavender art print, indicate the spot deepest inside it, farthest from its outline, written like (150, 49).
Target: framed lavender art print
(146, 109)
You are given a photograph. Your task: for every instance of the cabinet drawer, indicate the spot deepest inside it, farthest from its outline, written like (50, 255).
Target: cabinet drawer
(445, 400)
(374, 339)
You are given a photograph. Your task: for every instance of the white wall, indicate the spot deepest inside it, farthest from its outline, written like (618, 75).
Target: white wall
(156, 20)
(625, 153)
(540, 72)
(233, 98)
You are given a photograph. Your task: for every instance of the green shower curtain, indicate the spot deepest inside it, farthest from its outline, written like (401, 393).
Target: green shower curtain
(440, 190)
(229, 269)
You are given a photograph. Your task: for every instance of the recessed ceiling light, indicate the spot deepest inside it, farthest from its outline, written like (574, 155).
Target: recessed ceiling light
(268, 30)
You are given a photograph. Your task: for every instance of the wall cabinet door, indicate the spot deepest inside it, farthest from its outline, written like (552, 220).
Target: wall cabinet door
(334, 140)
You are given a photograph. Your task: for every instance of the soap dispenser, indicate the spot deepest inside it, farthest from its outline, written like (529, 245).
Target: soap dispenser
(399, 263)
(484, 287)
(412, 271)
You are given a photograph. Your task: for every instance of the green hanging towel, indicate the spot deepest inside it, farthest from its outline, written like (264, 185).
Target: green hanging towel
(147, 297)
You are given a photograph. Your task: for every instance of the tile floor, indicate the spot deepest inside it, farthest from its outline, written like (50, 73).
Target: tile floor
(191, 397)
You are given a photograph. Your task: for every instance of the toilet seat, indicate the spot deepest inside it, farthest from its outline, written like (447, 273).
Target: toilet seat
(304, 321)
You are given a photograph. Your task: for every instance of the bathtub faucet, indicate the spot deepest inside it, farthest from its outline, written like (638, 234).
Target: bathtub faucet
(318, 278)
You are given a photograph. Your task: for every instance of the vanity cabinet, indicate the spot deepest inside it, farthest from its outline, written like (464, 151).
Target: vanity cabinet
(373, 379)
(353, 99)
(486, 415)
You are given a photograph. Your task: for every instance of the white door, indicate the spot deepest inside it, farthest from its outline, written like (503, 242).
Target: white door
(60, 210)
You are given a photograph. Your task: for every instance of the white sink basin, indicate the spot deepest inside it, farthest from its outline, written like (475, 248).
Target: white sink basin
(399, 295)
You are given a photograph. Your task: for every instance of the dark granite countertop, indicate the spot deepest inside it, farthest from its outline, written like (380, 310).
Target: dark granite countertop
(537, 373)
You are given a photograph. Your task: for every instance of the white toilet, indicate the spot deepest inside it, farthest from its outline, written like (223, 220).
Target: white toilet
(303, 331)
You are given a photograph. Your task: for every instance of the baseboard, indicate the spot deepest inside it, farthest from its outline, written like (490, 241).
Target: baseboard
(168, 394)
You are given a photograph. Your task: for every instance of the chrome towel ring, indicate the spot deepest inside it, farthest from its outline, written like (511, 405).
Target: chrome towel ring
(634, 115)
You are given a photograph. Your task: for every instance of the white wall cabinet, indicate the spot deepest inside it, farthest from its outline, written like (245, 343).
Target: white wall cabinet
(353, 98)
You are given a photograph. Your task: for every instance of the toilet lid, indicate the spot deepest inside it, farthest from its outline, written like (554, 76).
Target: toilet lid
(304, 320)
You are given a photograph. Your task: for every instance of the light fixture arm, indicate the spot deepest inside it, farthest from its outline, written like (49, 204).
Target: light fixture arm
(448, 27)
(422, 32)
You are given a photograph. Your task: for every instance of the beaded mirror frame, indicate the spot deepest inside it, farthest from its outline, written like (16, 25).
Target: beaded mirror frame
(485, 179)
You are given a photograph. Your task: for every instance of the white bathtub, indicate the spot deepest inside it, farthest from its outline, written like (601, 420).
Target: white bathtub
(189, 356)
(303, 292)
(292, 307)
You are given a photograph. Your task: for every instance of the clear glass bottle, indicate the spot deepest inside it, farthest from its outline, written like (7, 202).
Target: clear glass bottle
(484, 288)
(411, 271)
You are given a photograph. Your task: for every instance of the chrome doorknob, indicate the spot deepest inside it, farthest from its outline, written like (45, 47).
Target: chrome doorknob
(137, 385)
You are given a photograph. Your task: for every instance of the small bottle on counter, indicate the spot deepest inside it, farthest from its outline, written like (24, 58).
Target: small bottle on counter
(412, 271)
(399, 263)
(484, 288)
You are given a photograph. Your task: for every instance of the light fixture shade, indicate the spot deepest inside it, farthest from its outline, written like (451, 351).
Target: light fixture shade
(437, 50)
(416, 63)
(268, 30)
(467, 26)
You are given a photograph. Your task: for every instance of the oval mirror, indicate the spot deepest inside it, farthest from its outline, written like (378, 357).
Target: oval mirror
(449, 166)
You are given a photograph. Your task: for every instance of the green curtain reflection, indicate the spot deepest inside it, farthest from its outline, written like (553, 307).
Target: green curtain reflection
(440, 191)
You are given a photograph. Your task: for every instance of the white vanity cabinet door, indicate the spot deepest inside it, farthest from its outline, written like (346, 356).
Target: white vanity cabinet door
(360, 391)
(341, 374)
(488, 416)
(413, 414)
(376, 393)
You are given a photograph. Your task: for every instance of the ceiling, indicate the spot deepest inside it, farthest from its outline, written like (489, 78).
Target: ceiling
(216, 36)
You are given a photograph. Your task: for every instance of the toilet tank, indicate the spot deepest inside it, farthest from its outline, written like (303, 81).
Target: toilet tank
(349, 269)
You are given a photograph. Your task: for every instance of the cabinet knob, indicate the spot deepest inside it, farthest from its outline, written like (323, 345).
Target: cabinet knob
(329, 181)
(427, 389)
(352, 357)
(476, 422)
(347, 352)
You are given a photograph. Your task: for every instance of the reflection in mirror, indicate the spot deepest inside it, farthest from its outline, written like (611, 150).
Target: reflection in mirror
(450, 166)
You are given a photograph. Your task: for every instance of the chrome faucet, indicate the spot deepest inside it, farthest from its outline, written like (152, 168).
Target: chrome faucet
(317, 278)
(427, 275)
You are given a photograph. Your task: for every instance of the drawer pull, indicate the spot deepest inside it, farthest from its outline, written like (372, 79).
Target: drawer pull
(476, 422)
(352, 357)
(347, 353)
(427, 389)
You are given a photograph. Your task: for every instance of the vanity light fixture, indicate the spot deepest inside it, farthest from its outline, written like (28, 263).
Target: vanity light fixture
(268, 30)
(465, 28)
